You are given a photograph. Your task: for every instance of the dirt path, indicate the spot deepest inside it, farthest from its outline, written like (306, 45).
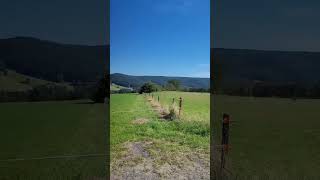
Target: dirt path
(145, 161)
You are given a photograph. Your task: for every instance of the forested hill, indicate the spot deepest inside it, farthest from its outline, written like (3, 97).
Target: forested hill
(238, 66)
(51, 61)
(137, 81)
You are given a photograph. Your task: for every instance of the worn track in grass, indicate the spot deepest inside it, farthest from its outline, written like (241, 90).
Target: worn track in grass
(154, 149)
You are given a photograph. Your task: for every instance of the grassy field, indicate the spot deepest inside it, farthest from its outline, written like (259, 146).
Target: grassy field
(279, 138)
(195, 106)
(42, 129)
(115, 87)
(14, 81)
(173, 138)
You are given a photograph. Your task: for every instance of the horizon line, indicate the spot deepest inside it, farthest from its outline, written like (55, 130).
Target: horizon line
(52, 41)
(274, 50)
(173, 76)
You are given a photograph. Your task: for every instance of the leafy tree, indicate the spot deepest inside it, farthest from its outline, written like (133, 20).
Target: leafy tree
(173, 84)
(102, 90)
(148, 88)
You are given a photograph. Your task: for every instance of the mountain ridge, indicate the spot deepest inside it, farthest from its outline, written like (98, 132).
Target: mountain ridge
(237, 66)
(47, 60)
(137, 81)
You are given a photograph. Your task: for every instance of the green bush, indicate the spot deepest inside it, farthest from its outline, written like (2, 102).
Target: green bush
(148, 87)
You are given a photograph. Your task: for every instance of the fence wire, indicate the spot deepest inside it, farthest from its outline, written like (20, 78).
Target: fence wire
(55, 157)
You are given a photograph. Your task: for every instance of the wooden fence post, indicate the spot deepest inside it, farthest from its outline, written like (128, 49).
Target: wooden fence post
(180, 105)
(172, 100)
(158, 99)
(225, 139)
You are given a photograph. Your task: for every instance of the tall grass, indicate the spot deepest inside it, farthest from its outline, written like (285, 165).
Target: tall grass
(41, 129)
(195, 106)
(271, 137)
(190, 134)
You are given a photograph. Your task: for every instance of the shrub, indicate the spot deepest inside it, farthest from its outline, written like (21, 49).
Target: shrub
(148, 87)
(102, 90)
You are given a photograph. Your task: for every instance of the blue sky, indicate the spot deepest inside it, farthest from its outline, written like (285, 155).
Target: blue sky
(160, 37)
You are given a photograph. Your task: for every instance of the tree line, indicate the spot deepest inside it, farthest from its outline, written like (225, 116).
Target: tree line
(97, 92)
(171, 85)
(282, 90)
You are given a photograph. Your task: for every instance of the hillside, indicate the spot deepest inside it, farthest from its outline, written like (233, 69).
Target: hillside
(51, 61)
(236, 67)
(137, 81)
(115, 87)
(14, 81)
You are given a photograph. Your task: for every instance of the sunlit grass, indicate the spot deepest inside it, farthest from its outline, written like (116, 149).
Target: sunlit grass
(183, 134)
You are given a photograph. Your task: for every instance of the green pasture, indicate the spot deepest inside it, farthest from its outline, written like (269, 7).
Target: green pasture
(195, 106)
(271, 138)
(45, 129)
(125, 108)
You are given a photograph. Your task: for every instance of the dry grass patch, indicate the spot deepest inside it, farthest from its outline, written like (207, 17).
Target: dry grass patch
(160, 160)
(167, 113)
(140, 121)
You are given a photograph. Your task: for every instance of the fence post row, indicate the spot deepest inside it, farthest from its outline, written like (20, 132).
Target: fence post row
(225, 138)
(180, 105)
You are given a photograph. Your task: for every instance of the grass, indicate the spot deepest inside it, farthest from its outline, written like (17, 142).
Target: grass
(182, 135)
(115, 87)
(195, 106)
(14, 81)
(271, 137)
(43, 129)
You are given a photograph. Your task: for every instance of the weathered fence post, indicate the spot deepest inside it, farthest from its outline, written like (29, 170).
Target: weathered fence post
(225, 138)
(180, 105)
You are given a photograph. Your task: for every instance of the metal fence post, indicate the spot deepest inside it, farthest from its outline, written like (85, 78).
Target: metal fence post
(180, 105)
(225, 138)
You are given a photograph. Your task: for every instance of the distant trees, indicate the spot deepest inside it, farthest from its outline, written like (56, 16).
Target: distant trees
(44, 92)
(102, 90)
(3, 68)
(173, 85)
(50, 92)
(275, 89)
(148, 88)
(197, 90)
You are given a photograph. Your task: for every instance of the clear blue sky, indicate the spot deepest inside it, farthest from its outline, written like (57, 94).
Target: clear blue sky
(160, 37)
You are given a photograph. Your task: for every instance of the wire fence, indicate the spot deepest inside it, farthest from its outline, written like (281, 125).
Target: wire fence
(55, 157)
